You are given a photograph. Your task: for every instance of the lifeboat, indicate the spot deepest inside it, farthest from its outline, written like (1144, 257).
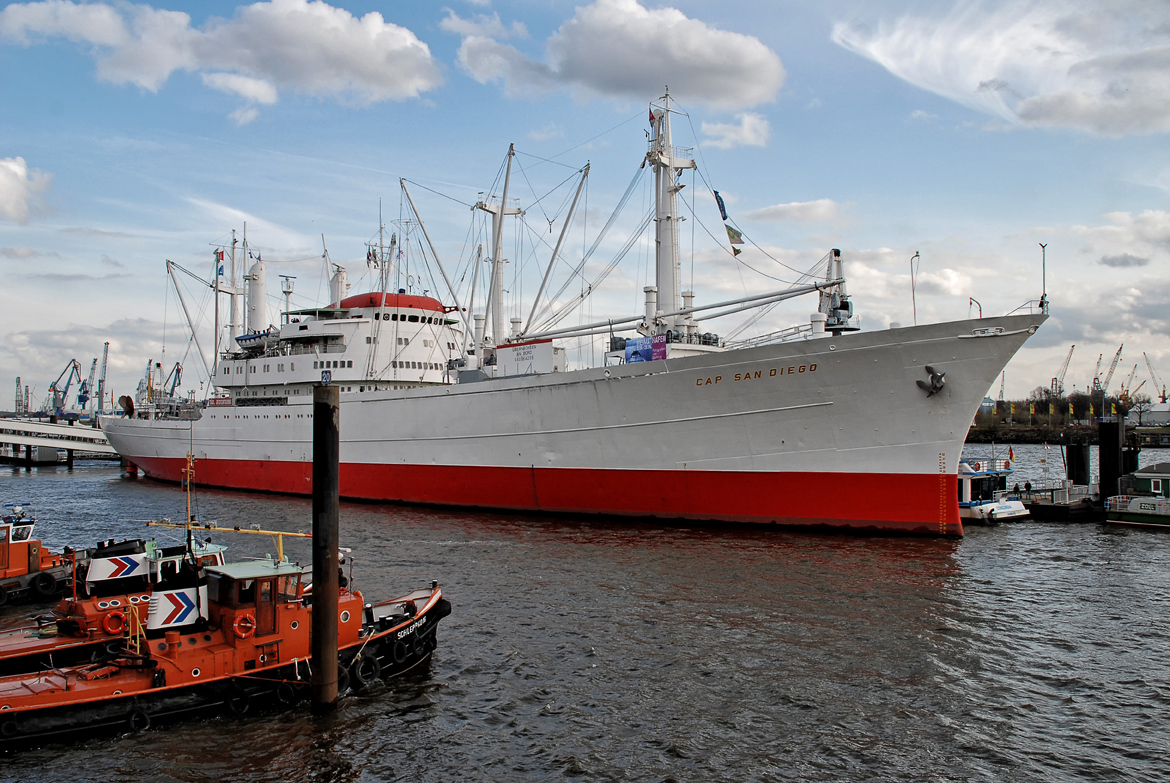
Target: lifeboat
(228, 638)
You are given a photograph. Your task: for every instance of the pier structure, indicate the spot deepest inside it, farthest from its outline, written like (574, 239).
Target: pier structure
(28, 441)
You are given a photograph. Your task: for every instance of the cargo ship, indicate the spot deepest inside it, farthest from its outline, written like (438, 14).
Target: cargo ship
(821, 424)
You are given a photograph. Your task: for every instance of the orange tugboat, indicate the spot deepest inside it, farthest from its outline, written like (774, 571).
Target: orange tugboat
(110, 580)
(26, 567)
(227, 637)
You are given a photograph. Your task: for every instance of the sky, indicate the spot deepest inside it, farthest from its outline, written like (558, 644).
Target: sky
(964, 132)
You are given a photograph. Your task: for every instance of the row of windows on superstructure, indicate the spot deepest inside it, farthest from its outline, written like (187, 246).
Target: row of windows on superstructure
(336, 365)
(227, 370)
(416, 365)
(414, 319)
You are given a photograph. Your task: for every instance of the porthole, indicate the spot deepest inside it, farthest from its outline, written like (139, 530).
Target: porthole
(115, 602)
(294, 625)
(6, 707)
(134, 599)
(103, 604)
(195, 672)
(162, 645)
(263, 659)
(345, 617)
(207, 637)
(116, 693)
(191, 640)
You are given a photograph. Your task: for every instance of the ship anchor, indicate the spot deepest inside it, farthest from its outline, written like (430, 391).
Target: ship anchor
(937, 381)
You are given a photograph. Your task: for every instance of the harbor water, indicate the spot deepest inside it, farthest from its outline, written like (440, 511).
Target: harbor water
(602, 650)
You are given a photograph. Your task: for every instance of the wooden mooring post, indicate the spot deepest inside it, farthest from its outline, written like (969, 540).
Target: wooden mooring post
(326, 458)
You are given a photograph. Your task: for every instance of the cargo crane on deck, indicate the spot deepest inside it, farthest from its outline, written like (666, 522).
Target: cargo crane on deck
(1058, 381)
(1159, 387)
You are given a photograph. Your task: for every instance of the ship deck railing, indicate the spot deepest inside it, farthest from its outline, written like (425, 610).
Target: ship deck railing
(300, 350)
(1154, 504)
(1062, 494)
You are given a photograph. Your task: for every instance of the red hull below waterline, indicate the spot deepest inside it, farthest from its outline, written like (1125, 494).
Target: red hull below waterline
(925, 505)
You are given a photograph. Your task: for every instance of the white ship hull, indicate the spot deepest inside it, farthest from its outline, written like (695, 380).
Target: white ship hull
(830, 431)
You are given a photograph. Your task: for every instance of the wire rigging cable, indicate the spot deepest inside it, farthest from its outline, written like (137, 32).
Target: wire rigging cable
(596, 243)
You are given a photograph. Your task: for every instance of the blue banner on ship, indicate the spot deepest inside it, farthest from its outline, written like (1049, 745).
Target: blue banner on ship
(646, 349)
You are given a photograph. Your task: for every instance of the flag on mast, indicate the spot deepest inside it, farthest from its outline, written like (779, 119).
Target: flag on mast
(719, 201)
(733, 235)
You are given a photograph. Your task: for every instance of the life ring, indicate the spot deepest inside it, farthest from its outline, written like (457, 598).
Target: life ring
(245, 625)
(367, 670)
(9, 729)
(138, 720)
(45, 584)
(401, 651)
(114, 623)
(420, 645)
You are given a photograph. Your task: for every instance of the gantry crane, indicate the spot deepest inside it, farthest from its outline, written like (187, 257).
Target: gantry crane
(1159, 387)
(1058, 381)
(1096, 387)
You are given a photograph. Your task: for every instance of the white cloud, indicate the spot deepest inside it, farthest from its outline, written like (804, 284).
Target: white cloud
(619, 48)
(798, 212)
(488, 60)
(274, 237)
(308, 47)
(19, 188)
(549, 131)
(244, 115)
(481, 24)
(753, 130)
(255, 90)
(1144, 235)
(1098, 65)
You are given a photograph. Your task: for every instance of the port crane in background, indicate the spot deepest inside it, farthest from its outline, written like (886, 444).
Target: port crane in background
(1128, 383)
(86, 388)
(1102, 386)
(55, 399)
(1096, 385)
(1159, 387)
(1058, 381)
(101, 384)
(1112, 369)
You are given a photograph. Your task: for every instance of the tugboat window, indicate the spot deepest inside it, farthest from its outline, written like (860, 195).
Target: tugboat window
(246, 593)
